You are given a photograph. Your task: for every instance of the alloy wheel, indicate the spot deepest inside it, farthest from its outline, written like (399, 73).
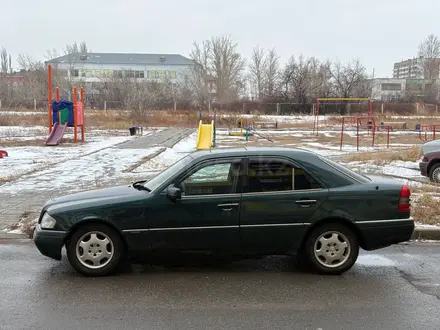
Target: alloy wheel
(94, 250)
(332, 249)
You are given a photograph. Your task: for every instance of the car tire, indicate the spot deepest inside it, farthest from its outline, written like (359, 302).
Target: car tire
(95, 250)
(331, 249)
(434, 173)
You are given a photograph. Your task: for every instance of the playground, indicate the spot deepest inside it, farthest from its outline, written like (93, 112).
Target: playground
(51, 152)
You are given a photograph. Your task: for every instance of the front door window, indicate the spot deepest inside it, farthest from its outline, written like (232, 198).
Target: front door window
(213, 179)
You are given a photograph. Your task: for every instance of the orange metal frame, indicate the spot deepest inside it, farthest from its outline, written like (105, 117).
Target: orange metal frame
(348, 99)
(57, 98)
(428, 128)
(371, 124)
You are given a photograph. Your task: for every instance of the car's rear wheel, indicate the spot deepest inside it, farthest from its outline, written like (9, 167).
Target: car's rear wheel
(434, 173)
(94, 250)
(331, 249)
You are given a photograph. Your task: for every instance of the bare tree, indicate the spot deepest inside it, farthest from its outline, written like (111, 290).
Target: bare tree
(83, 48)
(227, 67)
(258, 72)
(35, 79)
(216, 62)
(72, 48)
(51, 54)
(429, 52)
(10, 64)
(272, 73)
(4, 60)
(304, 79)
(196, 78)
(348, 78)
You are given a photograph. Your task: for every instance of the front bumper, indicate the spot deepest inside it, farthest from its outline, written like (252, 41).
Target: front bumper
(382, 233)
(423, 168)
(49, 242)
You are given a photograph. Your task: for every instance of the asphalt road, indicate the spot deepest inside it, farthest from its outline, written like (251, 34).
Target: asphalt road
(395, 288)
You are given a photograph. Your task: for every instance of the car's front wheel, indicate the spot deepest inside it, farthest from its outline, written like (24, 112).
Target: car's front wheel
(94, 250)
(434, 173)
(331, 249)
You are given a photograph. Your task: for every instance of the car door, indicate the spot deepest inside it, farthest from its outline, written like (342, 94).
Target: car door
(278, 199)
(207, 215)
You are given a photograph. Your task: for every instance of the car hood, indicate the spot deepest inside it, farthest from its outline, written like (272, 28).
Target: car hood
(97, 194)
(430, 146)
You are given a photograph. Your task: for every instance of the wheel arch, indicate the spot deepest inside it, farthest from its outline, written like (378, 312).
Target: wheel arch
(431, 164)
(345, 222)
(98, 221)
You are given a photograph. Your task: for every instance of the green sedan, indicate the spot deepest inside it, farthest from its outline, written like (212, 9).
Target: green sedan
(238, 203)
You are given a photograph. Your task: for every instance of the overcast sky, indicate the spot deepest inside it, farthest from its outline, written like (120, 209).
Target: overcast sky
(378, 32)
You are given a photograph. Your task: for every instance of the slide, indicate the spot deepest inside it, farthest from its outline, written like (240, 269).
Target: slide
(205, 136)
(57, 134)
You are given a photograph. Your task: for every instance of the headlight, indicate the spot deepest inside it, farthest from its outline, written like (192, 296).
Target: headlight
(47, 222)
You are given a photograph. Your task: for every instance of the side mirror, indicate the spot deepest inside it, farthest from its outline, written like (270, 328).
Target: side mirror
(174, 193)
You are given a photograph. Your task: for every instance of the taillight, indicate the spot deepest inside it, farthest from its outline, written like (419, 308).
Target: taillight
(404, 200)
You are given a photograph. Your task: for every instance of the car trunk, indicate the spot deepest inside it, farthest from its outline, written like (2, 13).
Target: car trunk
(390, 195)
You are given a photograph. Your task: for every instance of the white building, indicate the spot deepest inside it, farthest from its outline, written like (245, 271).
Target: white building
(387, 89)
(408, 69)
(94, 67)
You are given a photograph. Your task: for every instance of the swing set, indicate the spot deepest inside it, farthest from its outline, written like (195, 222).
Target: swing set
(366, 121)
(340, 101)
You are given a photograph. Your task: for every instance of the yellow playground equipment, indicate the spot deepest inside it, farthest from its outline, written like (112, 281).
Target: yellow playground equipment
(205, 136)
(240, 130)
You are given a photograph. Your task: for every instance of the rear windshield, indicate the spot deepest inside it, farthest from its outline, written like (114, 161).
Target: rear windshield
(345, 171)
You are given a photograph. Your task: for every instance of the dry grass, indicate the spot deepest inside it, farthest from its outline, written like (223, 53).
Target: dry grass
(123, 120)
(33, 120)
(26, 224)
(383, 157)
(426, 210)
(113, 119)
(21, 143)
(117, 119)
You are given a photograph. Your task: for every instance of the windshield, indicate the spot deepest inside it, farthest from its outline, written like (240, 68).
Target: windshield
(159, 179)
(344, 170)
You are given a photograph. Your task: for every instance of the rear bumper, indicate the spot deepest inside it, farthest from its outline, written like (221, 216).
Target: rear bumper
(382, 233)
(423, 168)
(49, 242)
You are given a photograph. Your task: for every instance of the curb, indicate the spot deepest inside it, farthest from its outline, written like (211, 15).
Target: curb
(420, 233)
(8, 236)
(426, 234)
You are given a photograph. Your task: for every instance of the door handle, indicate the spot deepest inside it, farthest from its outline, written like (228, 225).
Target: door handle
(306, 202)
(228, 206)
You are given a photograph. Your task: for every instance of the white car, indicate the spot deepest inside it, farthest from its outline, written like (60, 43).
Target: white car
(431, 146)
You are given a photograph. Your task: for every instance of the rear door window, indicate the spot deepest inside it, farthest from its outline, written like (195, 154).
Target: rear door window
(269, 174)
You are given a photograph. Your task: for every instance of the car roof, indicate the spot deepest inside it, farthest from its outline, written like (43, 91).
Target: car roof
(247, 151)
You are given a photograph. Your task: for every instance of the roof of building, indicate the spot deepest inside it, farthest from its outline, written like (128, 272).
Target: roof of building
(123, 58)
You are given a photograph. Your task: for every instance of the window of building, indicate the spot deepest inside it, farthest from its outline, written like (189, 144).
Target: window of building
(391, 87)
(162, 74)
(74, 72)
(139, 74)
(278, 175)
(117, 73)
(172, 74)
(152, 75)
